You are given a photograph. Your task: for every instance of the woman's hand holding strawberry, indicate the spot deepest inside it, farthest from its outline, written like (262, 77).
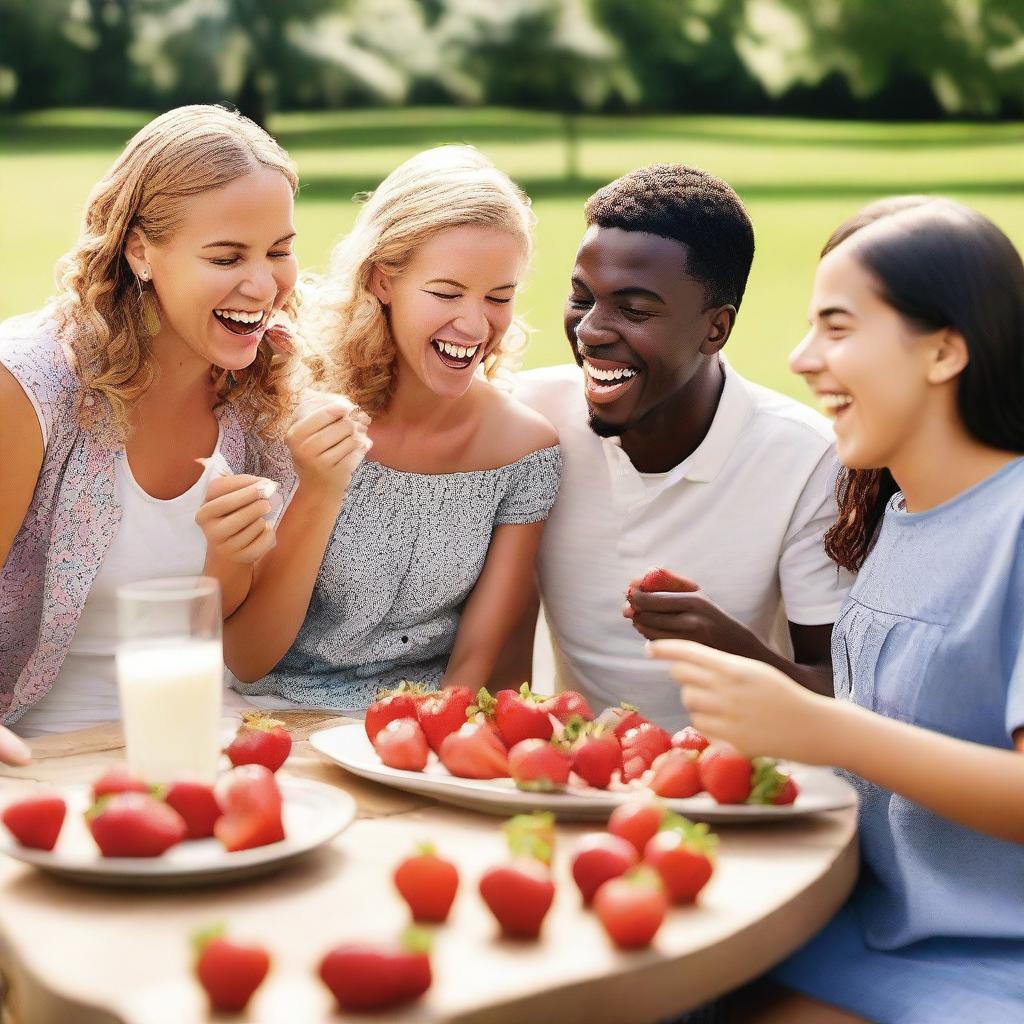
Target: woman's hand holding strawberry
(753, 706)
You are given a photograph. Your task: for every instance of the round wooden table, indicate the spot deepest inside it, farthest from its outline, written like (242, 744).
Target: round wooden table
(72, 953)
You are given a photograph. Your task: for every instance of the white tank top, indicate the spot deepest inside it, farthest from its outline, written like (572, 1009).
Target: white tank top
(156, 538)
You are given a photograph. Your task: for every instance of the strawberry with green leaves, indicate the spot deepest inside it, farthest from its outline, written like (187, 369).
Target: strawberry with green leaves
(366, 977)
(229, 971)
(567, 705)
(134, 825)
(401, 702)
(539, 766)
(428, 884)
(517, 714)
(402, 744)
(726, 774)
(35, 821)
(595, 752)
(475, 751)
(683, 854)
(640, 746)
(444, 712)
(632, 907)
(260, 740)
(770, 786)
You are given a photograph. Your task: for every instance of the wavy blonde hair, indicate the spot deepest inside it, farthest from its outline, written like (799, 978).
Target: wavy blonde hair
(344, 326)
(98, 304)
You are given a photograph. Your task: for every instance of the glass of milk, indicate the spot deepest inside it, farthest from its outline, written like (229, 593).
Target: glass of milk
(170, 675)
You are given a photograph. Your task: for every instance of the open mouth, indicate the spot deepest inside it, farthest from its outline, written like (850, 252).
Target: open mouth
(241, 321)
(455, 357)
(834, 404)
(607, 381)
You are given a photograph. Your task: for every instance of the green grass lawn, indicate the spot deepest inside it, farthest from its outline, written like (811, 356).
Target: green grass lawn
(798, 178)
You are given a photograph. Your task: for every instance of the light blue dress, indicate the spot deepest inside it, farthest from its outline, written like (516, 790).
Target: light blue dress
(931, 634)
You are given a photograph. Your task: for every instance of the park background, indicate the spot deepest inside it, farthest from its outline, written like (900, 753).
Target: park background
(809, 108)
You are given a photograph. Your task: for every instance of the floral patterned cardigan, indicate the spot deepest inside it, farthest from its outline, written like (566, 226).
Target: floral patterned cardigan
(73, 515)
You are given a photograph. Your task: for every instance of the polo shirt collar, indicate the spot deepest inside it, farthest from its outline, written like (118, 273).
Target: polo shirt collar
(735, 407)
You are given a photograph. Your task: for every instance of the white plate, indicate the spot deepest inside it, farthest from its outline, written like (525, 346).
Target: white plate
(820, 788)
(313, 814)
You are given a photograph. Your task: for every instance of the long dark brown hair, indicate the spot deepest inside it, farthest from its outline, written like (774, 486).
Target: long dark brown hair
(941, 265)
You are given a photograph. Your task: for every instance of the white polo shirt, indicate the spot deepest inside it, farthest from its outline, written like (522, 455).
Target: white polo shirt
(744, 516)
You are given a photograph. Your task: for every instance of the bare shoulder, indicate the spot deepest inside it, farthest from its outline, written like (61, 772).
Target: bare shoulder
(17, 413)
(513, 429)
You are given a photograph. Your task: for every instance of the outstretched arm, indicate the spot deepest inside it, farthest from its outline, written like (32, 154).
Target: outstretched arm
(761, 711)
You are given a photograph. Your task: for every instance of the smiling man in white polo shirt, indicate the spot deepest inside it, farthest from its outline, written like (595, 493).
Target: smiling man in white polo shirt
(671, 458)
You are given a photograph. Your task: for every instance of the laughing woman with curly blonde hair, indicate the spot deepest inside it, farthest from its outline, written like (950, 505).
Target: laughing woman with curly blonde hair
(415, 563)
(155, 352)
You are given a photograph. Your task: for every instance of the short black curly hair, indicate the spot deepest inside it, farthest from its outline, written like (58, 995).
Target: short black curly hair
(692, 207)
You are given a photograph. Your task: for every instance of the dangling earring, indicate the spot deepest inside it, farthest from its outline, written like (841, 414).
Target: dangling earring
(150, 310)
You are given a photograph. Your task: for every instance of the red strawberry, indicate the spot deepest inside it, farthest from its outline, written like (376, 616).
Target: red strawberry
(230, 972)
(538, 765)
(661, 581)
(622, 719)
(517, 715)
(372, 977)
(568, 703)
(596, 753)
(197, 806)
(725, 773)
(519, 895)
(631, 908)
(134, 825)
(401, 744)
(36, 820)
(769, 785)
(401, 702)
(443, 713)
(260, 740)
(682, 854)
(475, 752)
(428, 884)
(597, 857)
(117, 779)
(251, 803)
(636, 821)
(675, 774)
(640, 746)
(689, 739)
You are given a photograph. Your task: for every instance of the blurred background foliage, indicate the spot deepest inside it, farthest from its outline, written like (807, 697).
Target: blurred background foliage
(809, 108)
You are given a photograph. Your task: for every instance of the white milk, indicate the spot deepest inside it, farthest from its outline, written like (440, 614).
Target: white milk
(171, 694)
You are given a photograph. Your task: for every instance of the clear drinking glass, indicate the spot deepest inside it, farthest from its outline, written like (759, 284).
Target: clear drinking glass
(170, 674)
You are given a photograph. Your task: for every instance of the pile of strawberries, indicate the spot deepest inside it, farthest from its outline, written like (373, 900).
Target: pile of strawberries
(548, 744)
(131, 818)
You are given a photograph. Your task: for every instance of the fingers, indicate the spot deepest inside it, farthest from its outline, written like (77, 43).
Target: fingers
(664, 601)
(241, 497)
(349, 448)
(691, 653)
(263, 543)
(682, 627)
(13, 750)
(323, 414)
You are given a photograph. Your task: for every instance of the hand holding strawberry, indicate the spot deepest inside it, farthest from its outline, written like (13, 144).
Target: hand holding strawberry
(753, 706)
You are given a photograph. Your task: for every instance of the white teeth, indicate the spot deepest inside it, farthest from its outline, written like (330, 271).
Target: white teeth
(833, 403)
(596, 374)
(456, 351)
(240, 316)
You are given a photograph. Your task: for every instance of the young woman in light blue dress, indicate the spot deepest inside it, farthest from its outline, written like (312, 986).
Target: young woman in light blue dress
(916, 347)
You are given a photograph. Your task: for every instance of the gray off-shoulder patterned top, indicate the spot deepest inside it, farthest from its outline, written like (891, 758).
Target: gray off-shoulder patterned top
(406, 552)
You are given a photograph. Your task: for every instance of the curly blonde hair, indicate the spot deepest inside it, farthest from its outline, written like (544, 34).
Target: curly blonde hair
(343, 325)
(98, 304)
